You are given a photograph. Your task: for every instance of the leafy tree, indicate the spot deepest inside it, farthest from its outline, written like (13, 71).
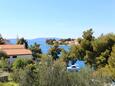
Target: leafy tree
(96, 50)
(108, 70)
(79, 40)
(111, 62)
(65, 56)
(102, 43)
(55, 51)
(86, 45)
(99, 46)
(90, 58)
(3, 60)
(102, 48)
(3, 55)
(50, 41)
(112, 57)
(22, 41)
(102, 60)
(76, 53)
(88, 35)
(36, 50)
(2, 41)
(84, 51)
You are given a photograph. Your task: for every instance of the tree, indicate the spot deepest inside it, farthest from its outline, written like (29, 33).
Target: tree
(102, 60)
(102, 47)
(76, 53)
(84, 51)
(112, 57)
(36, 50)
(50, 41)
(55, 51)
(22, 41)
(86, 45)
(79, 40)
(97, 50)
(3, 55)
(88, 35)
(2, 41)
(90, 58)
(111, 62)
(108, 71)
(65, 56)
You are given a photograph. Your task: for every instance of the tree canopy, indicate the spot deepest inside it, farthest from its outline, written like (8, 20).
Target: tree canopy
(22, 41)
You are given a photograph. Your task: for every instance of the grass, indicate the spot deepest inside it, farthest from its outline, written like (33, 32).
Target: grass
(9, 84)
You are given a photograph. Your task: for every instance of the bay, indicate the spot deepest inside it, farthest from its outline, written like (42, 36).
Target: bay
(42, 41)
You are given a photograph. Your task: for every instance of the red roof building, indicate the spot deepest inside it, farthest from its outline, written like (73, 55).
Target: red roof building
(15, 50)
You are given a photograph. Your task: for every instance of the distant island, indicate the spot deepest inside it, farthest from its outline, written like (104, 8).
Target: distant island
(68, 41)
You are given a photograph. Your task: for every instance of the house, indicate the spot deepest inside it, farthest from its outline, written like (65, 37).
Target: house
(13, 51)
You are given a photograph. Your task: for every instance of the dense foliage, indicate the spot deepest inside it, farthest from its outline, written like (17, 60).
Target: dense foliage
(50, 41)
(2, 41)
(55, 51)
(20, 63)
(60, 41)
(48, 73)
(98, 54)
(36, 51)
(94, 51)
(22, 41)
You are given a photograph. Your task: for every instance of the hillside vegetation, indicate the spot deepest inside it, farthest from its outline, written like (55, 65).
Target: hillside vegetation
(51, 69)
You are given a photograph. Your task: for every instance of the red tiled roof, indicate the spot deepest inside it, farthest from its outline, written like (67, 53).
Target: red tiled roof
(11, 47)
(12, 50)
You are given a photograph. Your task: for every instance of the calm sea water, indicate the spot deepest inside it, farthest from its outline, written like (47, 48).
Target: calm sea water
(46, 47)
(42, 41)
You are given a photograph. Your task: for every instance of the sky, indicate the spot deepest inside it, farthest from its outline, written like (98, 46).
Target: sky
(55, 18)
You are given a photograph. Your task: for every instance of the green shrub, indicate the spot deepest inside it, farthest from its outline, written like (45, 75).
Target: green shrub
(3, 63)
(56, 75)
(21, 63)
(9, 84)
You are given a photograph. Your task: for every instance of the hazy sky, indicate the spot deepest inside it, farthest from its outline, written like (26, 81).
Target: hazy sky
(55, 18)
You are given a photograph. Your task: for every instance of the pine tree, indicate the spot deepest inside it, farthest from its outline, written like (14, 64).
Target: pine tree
(2, 41)
(22, 41)
(112, 57)
(36, 50)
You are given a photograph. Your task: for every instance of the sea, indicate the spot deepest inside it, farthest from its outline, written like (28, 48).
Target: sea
(43, 45)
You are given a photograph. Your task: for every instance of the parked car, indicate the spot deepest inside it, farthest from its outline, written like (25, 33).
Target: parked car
(113, 83)
(73, 68)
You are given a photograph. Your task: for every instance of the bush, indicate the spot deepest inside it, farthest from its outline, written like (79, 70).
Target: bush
(3, 63)
(25, 77)
(16, 75)
(9, 84)
(20, 63)
(3, 55)
(56, 75)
